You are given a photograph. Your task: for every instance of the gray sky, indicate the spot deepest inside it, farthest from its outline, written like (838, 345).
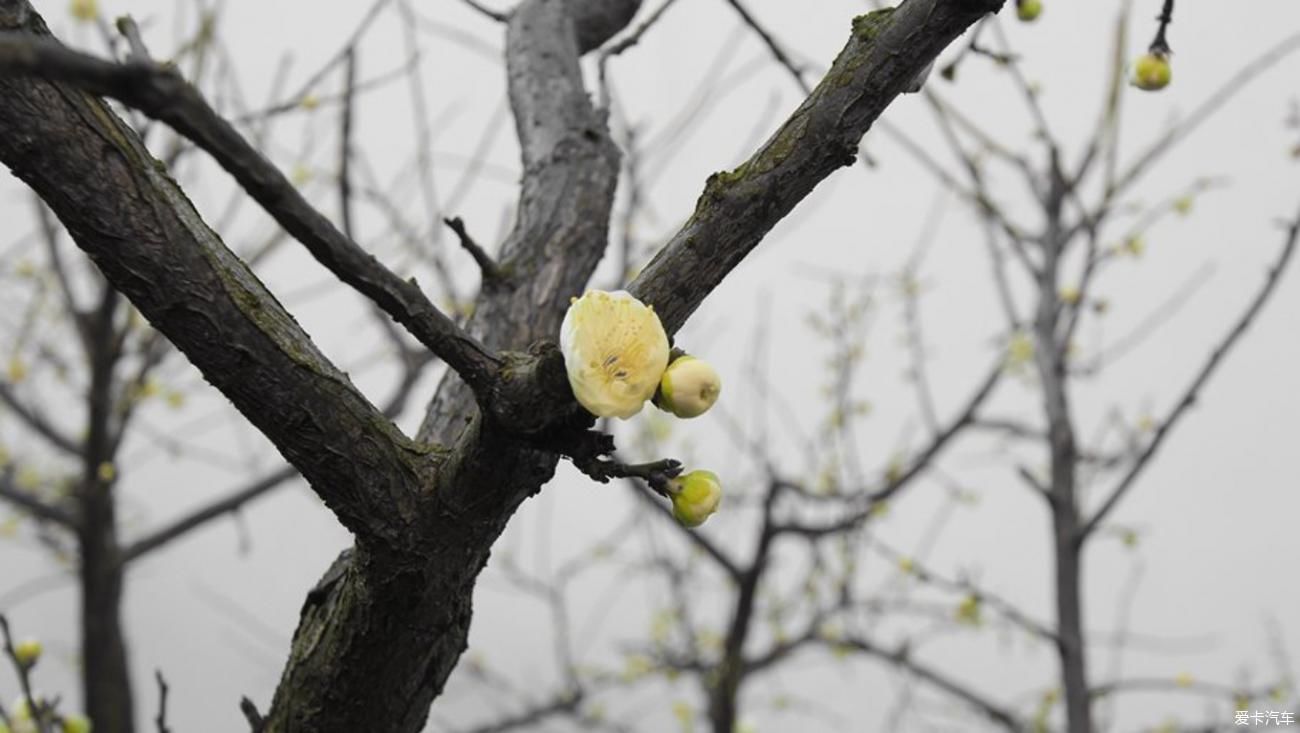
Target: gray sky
(1215, 513)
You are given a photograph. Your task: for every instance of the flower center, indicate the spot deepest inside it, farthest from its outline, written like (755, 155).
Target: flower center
(612, 369)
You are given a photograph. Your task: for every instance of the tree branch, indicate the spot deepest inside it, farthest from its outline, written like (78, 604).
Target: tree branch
(225, 505)
(1193, 390)
(886, 51)
(160, 92)
(150, 243)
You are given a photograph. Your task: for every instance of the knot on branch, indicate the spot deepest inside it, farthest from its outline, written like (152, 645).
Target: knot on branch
(531, 392)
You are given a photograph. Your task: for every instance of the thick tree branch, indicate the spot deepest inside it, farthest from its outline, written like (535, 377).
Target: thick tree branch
(886, 51)
(396, 668)
(160, 92)
(151, 244)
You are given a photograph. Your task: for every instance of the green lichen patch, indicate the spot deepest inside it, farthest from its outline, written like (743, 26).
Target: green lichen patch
(867, 27)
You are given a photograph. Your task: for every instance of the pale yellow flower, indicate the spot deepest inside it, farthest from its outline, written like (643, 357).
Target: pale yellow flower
(695, 497)
(689, 387)
(615, 351)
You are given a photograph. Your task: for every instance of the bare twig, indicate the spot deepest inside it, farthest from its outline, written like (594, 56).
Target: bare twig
(490, 270)
(230, 503)
(486, 12)
(161, 719)
(256, 723)
(38, 709)
(901, 658)
(773, 47)
(161, 93)
(32, 504)
(1193, 390)
(127, 26)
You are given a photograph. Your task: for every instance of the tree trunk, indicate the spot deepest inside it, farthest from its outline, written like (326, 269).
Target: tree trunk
(106, 678)
(105, 675)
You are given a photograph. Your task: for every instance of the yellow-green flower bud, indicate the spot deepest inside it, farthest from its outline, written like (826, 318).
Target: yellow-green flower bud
(689, 387)
(695, 497)
(27, 652)
(1152, 72)
(1029, 10)
(615, 350)
(84, 10)
(76, 724)
(968, 611)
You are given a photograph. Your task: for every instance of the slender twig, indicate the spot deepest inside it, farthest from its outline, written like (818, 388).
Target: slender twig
(37, 422)
(1198, 116)
(127, 26)
(37, 708)
(486, 12)
(1160, 45)
(227, 504)
(490, 270)
(161, 719)
(633, 38)
(1193, 390)
(32, 504)
(162, 93)
(345, 142)
(773, 47)
(256, 722)
(901, 658)
(872, 499)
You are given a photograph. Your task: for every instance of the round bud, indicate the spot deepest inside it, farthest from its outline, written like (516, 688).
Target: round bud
(27, 652)
(1152, 72)
(695, 497)
(689, 387)
(76, 723)
(1029, 10)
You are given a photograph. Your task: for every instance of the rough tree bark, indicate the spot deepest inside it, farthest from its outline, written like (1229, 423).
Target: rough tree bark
(381, 632)
(105, 675)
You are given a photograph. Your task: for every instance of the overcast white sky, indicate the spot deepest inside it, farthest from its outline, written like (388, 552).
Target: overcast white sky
(1216, 513)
